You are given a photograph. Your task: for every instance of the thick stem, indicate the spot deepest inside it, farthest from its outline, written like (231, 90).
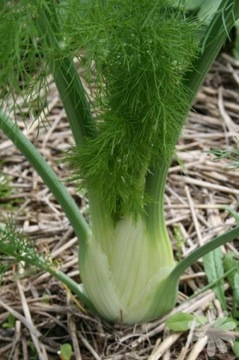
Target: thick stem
(66, 77)
(203, 250)
(70, 208)
(155, 186)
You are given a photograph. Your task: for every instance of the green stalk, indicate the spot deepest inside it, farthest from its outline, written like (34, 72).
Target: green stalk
(71, 285)
(203, 250)
(166, 295)
(70, 208)
(155, 216)
(16, 246)
(74, 99)
(214, 38)
(66, 77)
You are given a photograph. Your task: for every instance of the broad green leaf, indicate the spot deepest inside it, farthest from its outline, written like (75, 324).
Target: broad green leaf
(65, 352)
(231, 266)
(225, 323)
(184, 321)
(213, 266)
(236, 348)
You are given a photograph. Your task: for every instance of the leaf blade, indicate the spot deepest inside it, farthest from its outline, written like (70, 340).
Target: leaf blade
(213, 266)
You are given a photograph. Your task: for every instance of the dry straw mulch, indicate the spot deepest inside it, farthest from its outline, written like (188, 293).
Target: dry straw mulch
(197, 188)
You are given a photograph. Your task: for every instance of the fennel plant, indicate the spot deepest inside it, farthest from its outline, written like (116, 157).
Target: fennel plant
(149, 59)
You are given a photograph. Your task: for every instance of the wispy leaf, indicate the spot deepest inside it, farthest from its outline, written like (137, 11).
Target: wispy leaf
(17, 247)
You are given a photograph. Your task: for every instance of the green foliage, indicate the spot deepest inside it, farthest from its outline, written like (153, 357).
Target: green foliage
(5, 188)
(34, 354)
(183, 321)
(10, 323)
(141, 103)
(203, 8)
(236, 348)
(217, 330)
(21, 69)
(65, 352)
(228, 154)
(230, 270)
(8, 202)
(232, 212)
(142, 100)
(19, 248)
(213, 266)
(225, 323)
(231, 265)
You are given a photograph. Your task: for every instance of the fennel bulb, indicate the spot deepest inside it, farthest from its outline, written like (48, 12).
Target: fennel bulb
(122, 272)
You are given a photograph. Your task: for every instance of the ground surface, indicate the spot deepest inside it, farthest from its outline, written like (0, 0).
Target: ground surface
(45, 316)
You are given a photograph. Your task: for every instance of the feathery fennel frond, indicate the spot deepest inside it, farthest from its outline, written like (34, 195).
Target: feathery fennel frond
(19, 248)
(142, 102)
(27, 57)
(21, 61)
